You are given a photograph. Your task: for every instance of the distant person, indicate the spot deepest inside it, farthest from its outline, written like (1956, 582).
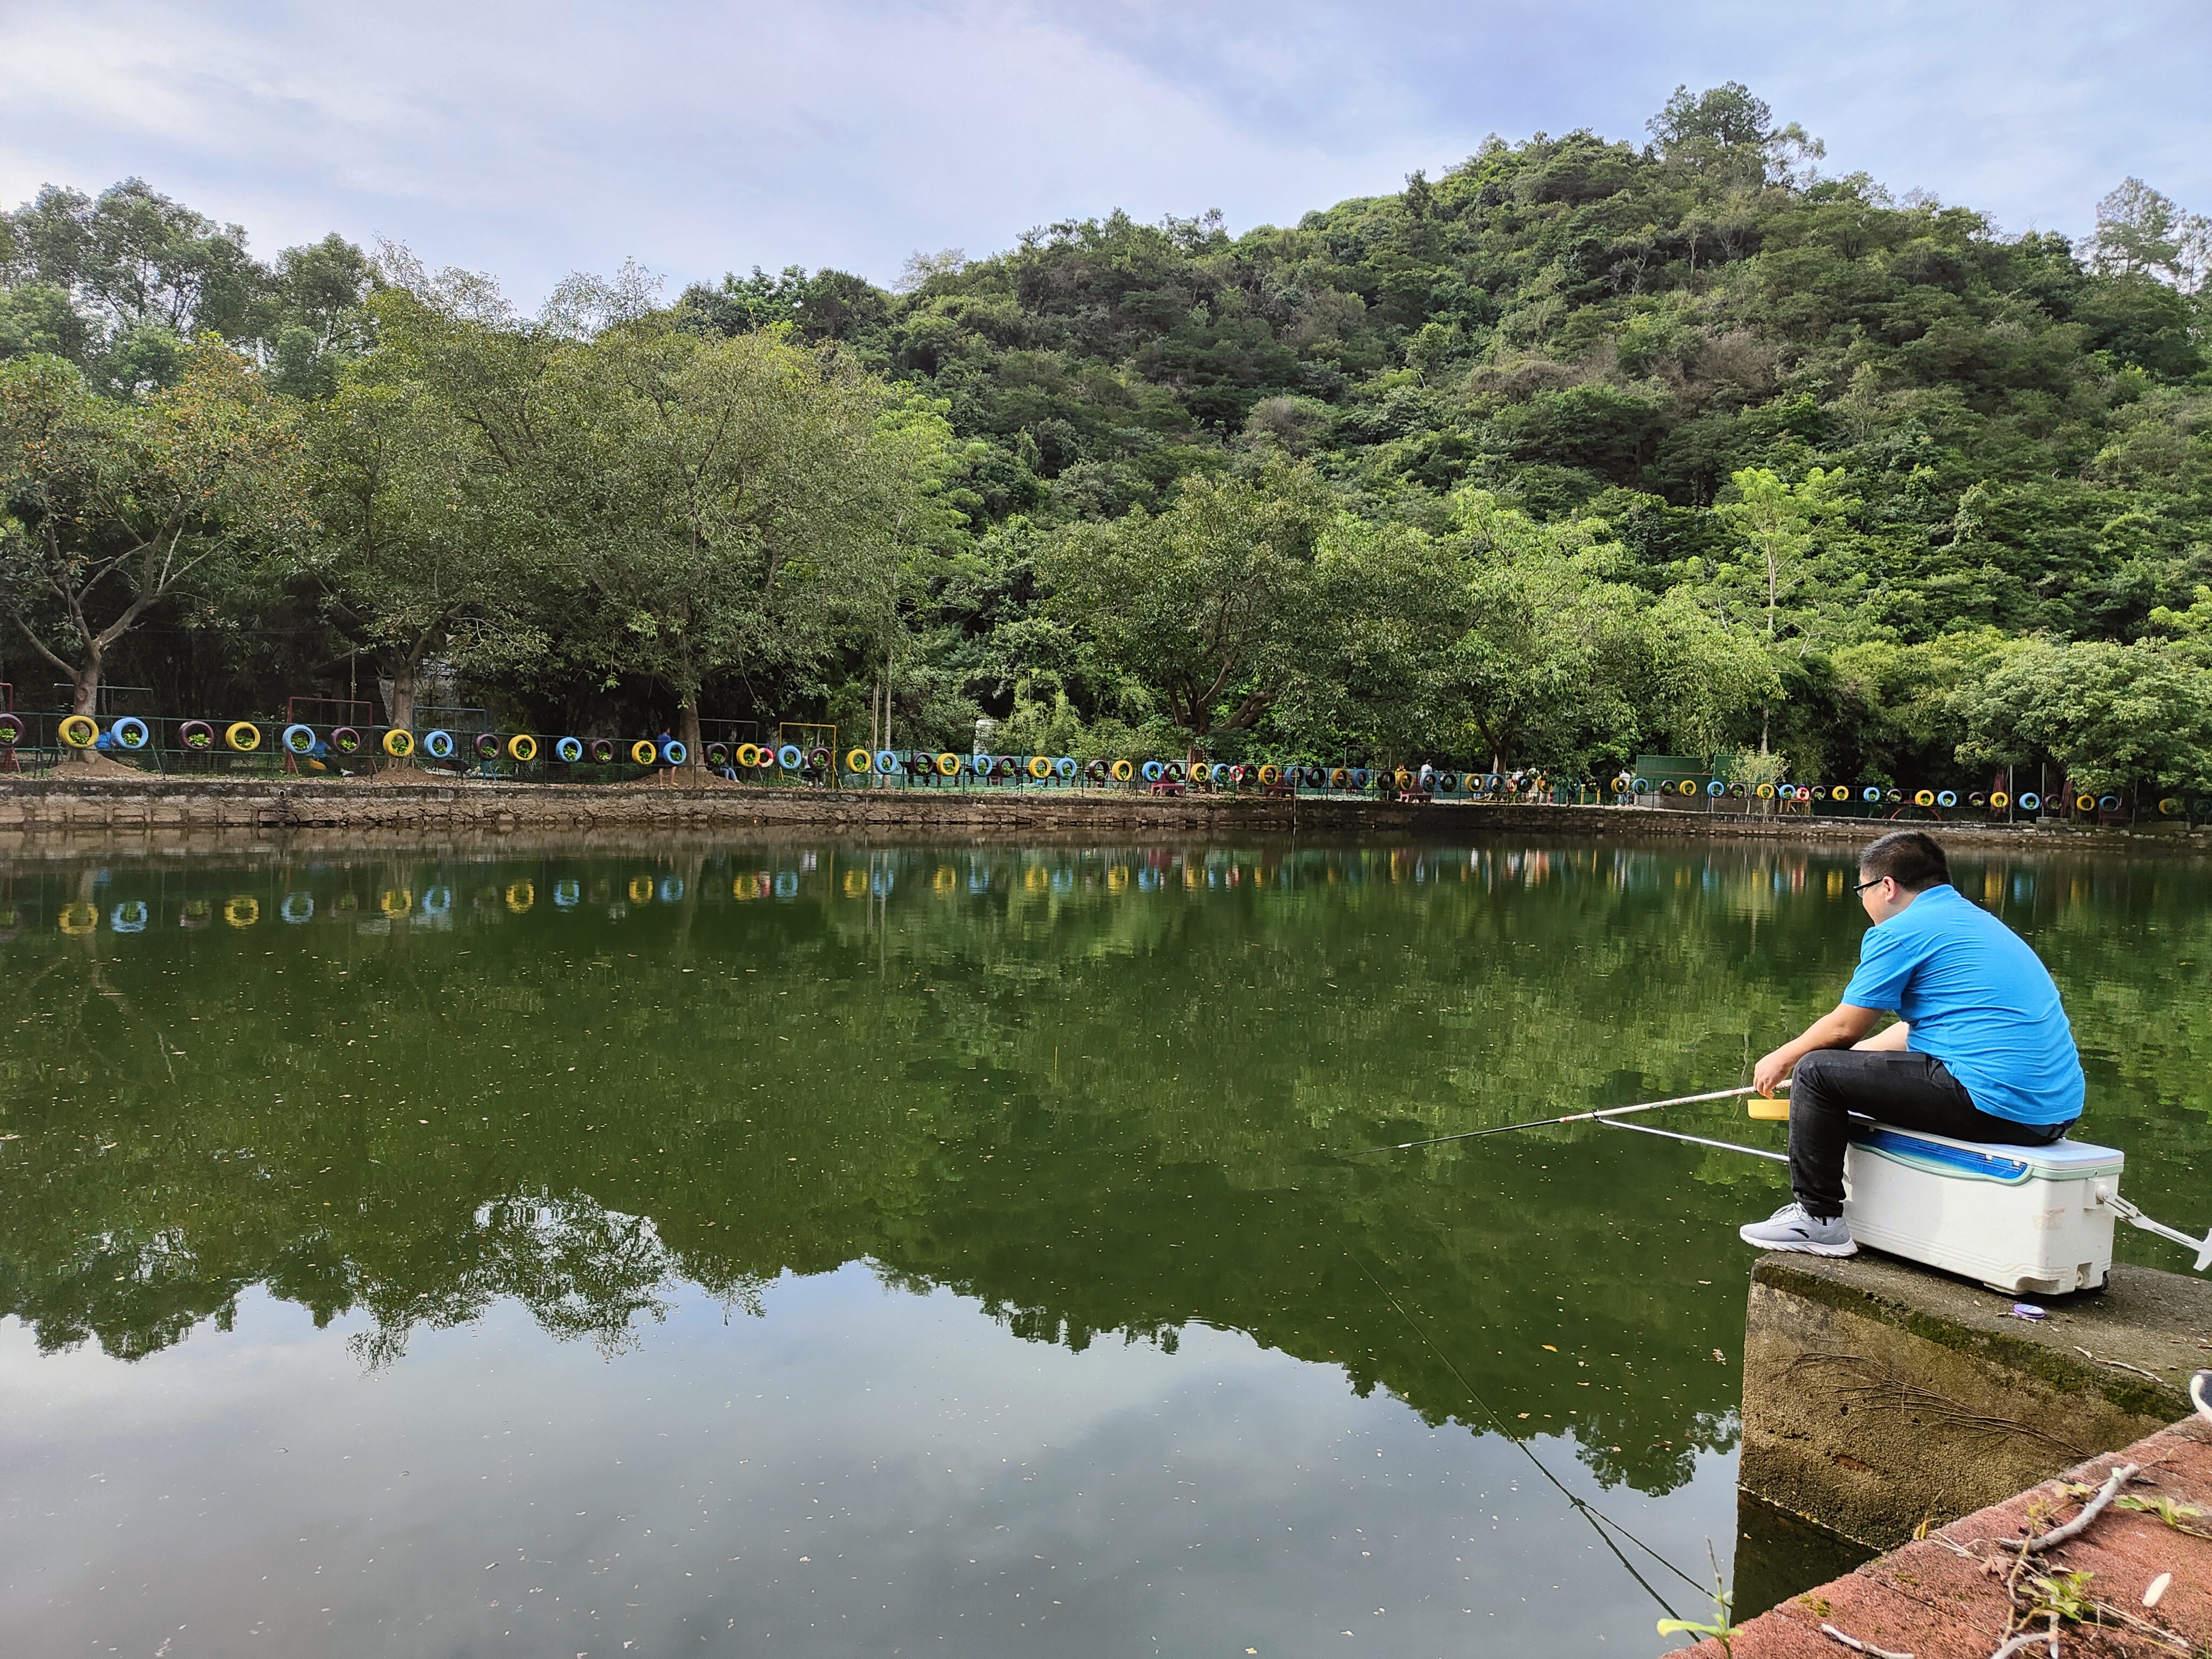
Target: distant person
(1981, 1049)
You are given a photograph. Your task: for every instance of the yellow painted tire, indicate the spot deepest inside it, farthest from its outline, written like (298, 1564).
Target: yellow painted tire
(522, 747)
(520, 896)
(242, 911)
(948, 765)
(1402, 778)
(2085, 802)
(1999, 801)
(244, 736)
(1766, 792)
(640, 889)
(80, 731)
(858, 761)
(643, 751)
(1841, 792)
(395, 902)
(1124, 771)
(1270, 774)
(398, 745)
(1040, 768)
(79, 919)
(2171, 806)
(1924, 798)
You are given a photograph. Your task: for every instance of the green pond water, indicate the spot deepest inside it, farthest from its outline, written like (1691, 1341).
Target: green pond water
(803, 1248)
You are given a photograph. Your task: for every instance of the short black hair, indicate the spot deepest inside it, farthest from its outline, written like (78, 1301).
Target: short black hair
(1912, 858)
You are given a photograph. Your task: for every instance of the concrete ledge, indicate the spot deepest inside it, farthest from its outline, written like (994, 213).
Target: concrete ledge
(1944, 1596)
(128, 813)
(1878, 1395)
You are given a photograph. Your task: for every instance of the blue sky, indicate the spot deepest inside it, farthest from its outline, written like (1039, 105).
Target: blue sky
(531, 140)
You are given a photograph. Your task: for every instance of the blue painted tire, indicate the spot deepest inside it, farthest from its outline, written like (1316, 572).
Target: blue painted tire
(1064, 766)
(791, 758)
(2031, 802)
(674, 753)
(569, 749)
(1949, 798)
(1153, 771)
(887, 761)
(131, 733)
(1870, 794)
(299, 739)
(438, 746)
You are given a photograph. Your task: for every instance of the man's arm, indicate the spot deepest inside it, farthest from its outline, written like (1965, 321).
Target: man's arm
(1891, 1040)
(1838, 1028)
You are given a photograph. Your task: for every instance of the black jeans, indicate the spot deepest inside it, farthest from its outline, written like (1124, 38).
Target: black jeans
(1910, 1090)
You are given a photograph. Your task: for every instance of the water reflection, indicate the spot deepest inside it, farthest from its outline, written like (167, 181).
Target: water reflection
(1111, 1099)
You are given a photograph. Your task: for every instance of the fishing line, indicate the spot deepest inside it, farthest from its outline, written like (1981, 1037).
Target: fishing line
(1599, 1520)
(1605, 1115)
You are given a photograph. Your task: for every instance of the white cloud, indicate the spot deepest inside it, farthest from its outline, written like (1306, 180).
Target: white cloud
(698, 138)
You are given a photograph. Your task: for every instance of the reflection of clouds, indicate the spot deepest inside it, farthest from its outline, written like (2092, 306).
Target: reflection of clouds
(940, 1478)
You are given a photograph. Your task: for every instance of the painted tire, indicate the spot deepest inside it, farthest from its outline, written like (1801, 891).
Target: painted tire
(718, 755)
(346, 739)
(1270, 774)
(568, 895)
(569, 749)
(299, 738)
(1124, 771)
(522, 747)
(440, 746)
(603, 750)
(1841, 792)
(1314, 777)
(1641, 785)
(640, 889)
(399, 744)
(128, 917)
(2085, 802)
(486, 746)
(1870, 794)
(747, 755)
(1766, 792)
(1097, 772)
(674, 752)
(79, 731)
(520, 896)
(1924, 798)
(242, 911)
(857, 761)
(11, 730)
(1154, 771)
(886, 761)
(948, 765)
(1999, 801)
(1978, 799)
(1892, 796)
(1447, 782)
(1171, 771)
(791, 758)
(1340, 777)
(79, 919)
(1402, 778)
(2170, 807)
(1947, 798)
(2031, 802)
(817, 760)
(244, 736)
(129, 733)
(193, 734)
(643, 753)
(1007, 767)
(1064, 766)
(2108, 803)
(1040, 768)
(296, 907)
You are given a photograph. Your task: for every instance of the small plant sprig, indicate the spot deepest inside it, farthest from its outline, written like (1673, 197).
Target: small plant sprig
(1720, 1630)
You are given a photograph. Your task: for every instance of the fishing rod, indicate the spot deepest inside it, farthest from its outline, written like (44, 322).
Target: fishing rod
(1571, 1117)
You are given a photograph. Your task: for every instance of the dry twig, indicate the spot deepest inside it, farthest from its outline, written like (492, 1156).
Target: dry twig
(2074, 1529)
(1858, 1646)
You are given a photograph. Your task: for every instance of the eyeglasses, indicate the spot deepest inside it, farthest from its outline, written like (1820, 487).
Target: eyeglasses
(1863, 885)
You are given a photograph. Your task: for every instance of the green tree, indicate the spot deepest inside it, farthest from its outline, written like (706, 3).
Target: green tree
(107, 509)
(2112, 716)
(1209, 603)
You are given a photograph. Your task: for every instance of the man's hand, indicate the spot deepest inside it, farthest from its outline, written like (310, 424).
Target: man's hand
(1770, 1072)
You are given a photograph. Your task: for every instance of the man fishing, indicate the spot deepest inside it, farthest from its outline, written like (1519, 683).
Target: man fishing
(1981, 1049)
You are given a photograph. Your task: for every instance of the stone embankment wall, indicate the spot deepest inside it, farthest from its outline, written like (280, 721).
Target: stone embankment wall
(1879, 1396)
(56, 812)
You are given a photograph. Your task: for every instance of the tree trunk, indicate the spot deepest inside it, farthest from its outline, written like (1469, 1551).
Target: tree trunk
(694, 749)
(401, 714)
(84, 699)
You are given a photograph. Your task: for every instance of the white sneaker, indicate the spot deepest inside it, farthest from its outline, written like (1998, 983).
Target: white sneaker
(1791, 1228)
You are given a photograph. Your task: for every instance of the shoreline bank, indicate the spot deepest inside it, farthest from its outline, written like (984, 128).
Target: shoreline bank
(67, 815)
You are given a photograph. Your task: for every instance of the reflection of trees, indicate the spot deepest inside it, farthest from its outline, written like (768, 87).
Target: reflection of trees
(1102, 1092)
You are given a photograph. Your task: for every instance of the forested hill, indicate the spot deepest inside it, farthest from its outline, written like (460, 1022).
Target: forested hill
(1623, 445)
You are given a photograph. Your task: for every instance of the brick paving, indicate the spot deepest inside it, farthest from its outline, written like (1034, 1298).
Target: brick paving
(1944, 1596)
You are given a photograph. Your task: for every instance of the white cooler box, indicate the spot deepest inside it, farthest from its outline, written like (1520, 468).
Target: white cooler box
(2021, 1220)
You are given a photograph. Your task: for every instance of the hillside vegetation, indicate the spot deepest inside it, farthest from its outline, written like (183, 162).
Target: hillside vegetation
(1584, 448)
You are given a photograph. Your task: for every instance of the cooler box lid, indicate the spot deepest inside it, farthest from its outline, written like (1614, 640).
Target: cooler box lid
(1974, 1160)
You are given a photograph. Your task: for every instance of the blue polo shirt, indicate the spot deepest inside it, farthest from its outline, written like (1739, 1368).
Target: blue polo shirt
(1979, 1000)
